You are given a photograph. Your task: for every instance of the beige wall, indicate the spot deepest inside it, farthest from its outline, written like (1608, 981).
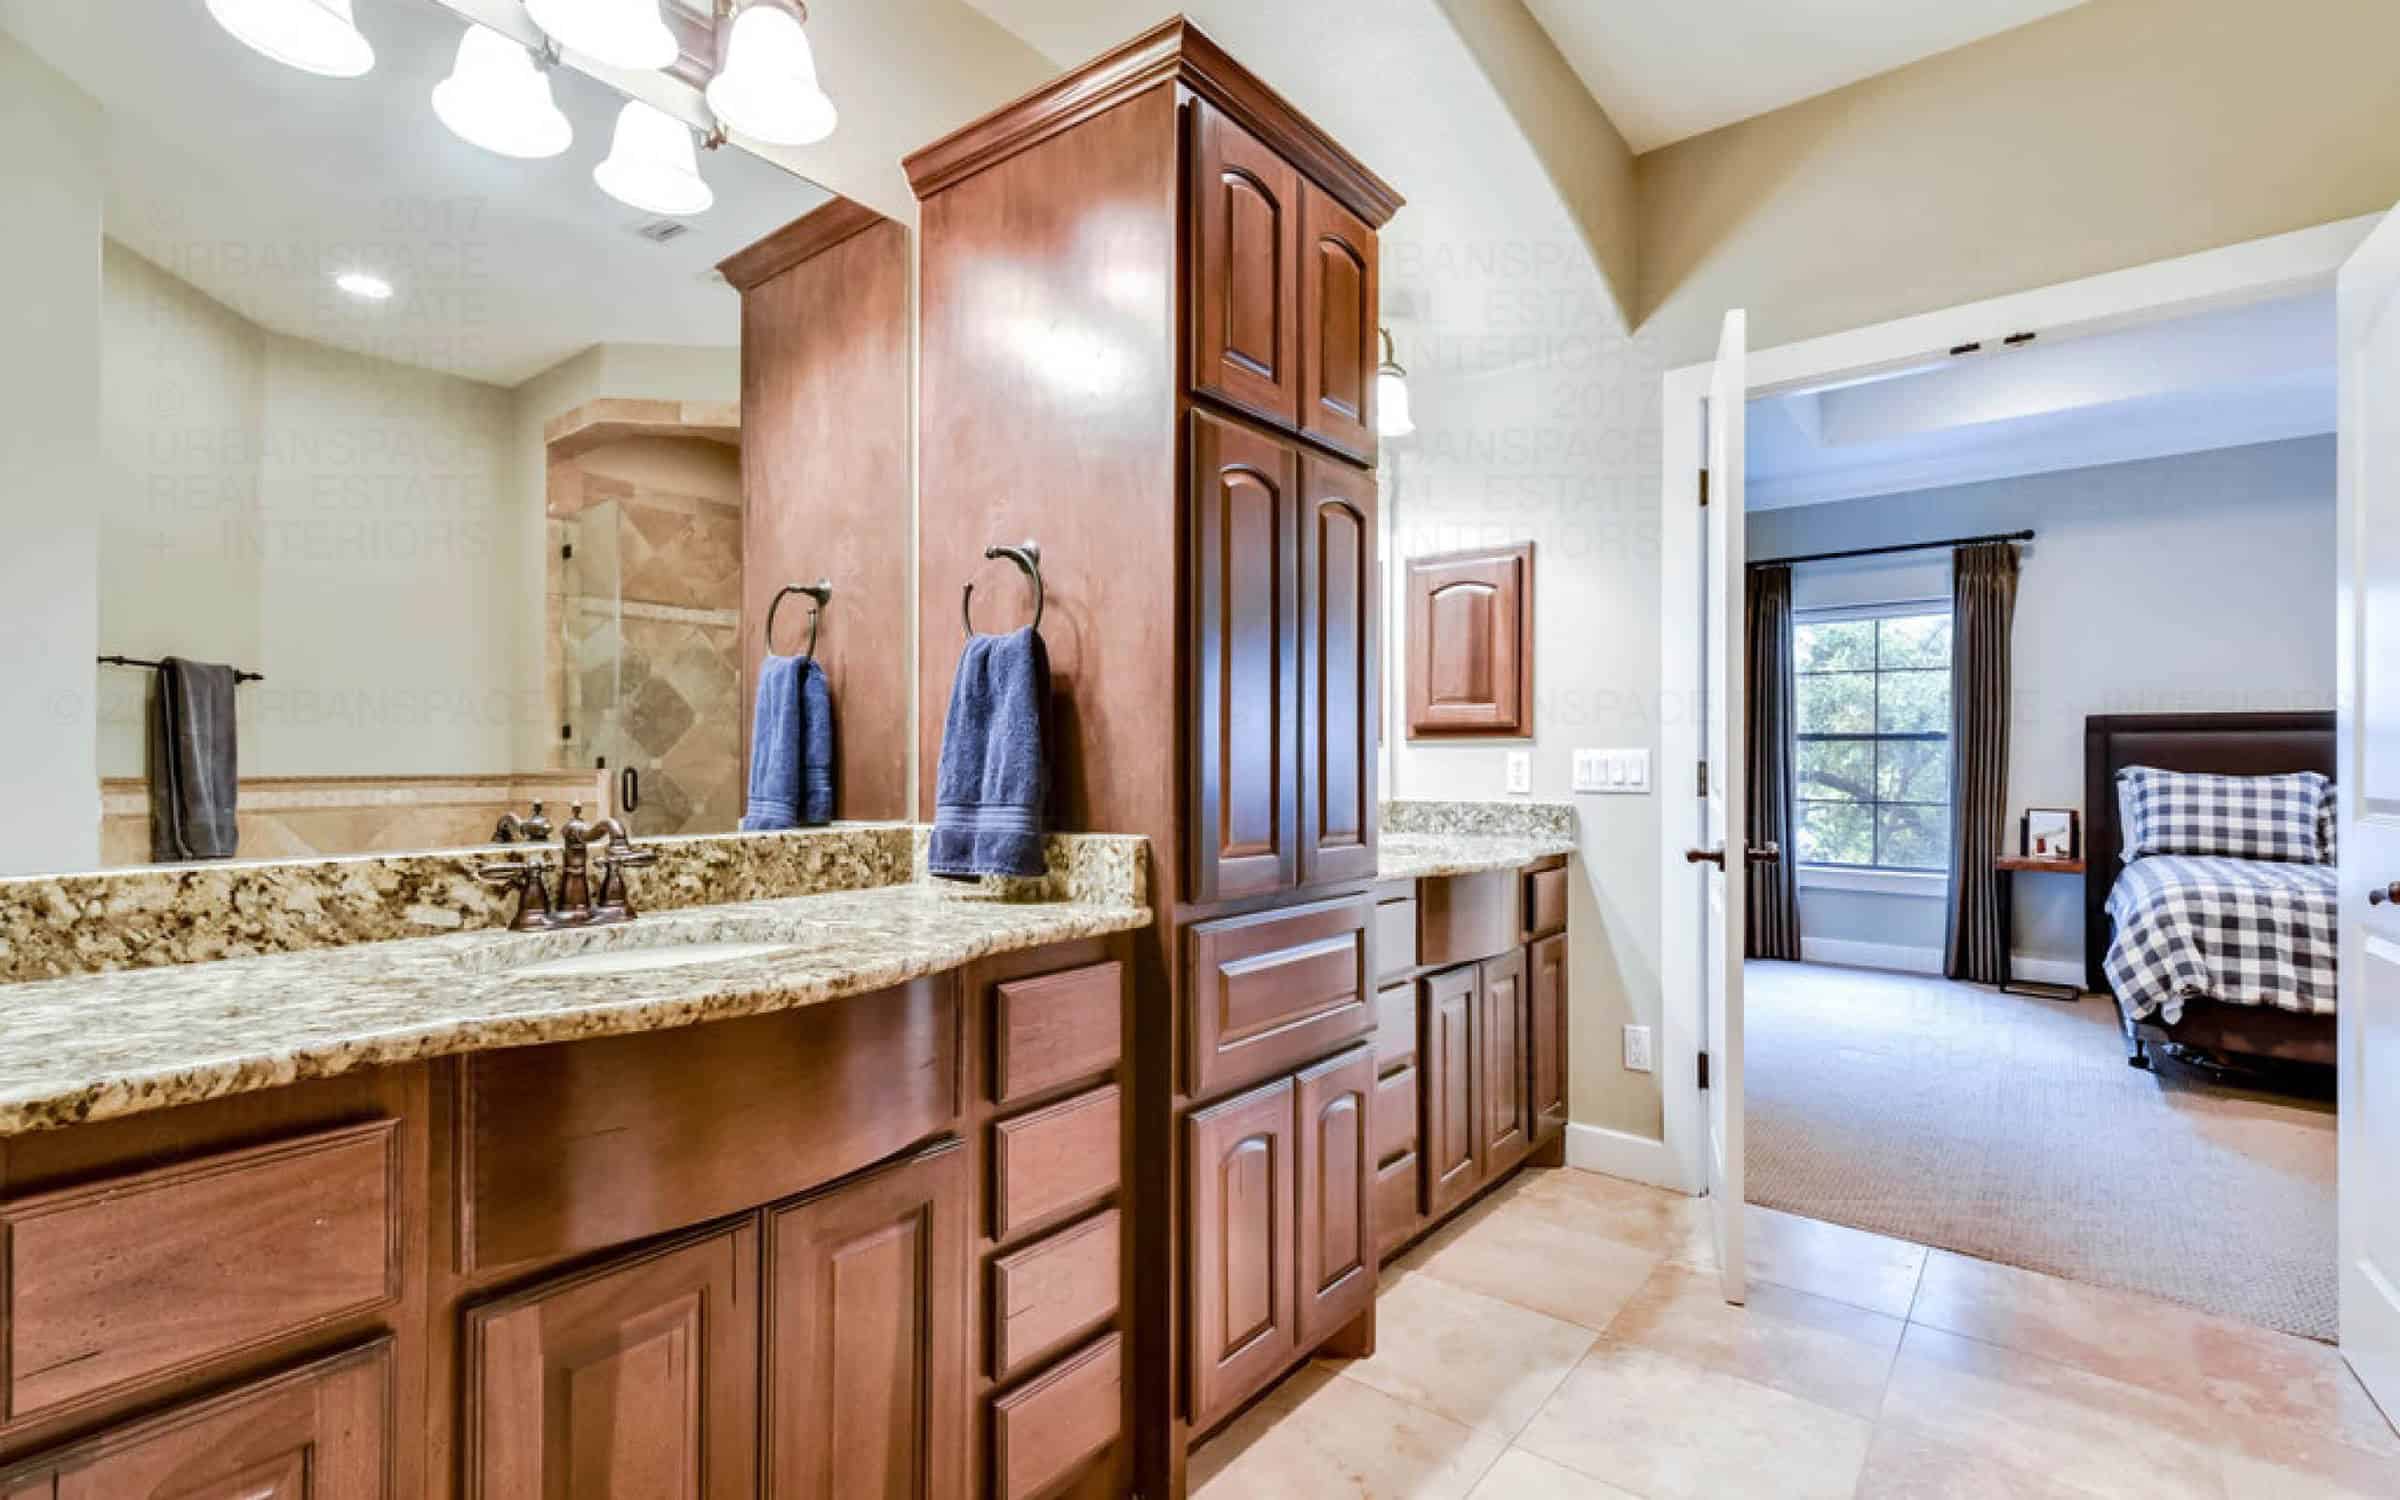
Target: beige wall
(2118, 133)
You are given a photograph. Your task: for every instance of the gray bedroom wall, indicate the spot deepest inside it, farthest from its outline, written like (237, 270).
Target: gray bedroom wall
(2197, 583)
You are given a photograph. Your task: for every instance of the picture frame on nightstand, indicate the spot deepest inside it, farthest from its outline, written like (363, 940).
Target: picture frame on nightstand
(2050, 833)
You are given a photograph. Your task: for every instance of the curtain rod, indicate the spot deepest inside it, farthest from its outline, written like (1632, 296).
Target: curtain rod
(1956, 541)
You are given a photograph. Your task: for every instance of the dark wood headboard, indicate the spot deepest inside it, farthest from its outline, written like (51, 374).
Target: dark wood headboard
(2228, 744)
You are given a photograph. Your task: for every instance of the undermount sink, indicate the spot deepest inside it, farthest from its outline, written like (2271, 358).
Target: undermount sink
(644, 960)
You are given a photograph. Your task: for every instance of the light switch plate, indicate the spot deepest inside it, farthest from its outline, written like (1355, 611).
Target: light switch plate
(1637, 1049)
(1520, 772)
(1623, 772)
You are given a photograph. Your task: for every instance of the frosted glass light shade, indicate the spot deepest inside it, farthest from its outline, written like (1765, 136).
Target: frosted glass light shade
(620, 33)
(315, 36)
(651, 164)
(1392, 418)
(497, 99)
(768, 86)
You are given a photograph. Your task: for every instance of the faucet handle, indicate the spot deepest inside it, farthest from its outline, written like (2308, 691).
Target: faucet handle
(533, 891)
(537, 827)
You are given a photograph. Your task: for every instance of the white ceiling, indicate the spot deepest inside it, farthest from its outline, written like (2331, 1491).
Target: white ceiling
(2218, 380)
(256, 183)
(1667, 69)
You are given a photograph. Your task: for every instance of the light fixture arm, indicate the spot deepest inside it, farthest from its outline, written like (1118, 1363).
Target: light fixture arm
(1391, 362)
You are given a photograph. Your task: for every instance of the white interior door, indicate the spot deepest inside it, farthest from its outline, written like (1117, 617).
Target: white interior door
(1728, 784)
(2369, 777)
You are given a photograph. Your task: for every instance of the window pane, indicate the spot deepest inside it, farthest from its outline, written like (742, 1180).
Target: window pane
(1838, 703)
(1832, 833)
(1917, 641)
(1837, 770)
(1915, 838)
(1915, 702)
(1912, 771)
(1835, 646)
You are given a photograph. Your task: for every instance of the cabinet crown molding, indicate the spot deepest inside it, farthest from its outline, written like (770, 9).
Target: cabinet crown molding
(1175, 51)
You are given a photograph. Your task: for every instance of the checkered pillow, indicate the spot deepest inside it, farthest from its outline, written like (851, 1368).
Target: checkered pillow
(2329, 822)
(2238, 817)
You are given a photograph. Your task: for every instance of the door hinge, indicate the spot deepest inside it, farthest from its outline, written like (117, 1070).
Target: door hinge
(1704, 489)
(1704, 778)
(1704, 1070)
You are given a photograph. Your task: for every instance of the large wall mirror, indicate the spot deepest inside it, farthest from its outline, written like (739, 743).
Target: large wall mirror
(445, 445)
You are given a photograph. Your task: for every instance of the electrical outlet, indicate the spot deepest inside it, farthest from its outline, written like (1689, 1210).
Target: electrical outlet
(1520, 772)
(1637, 1049)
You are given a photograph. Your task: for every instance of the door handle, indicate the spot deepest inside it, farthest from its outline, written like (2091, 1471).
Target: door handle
(1767, 854)
(1705, 856)
(2383, 893)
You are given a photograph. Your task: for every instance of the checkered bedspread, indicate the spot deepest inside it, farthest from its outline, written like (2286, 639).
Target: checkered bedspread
(2240, 931)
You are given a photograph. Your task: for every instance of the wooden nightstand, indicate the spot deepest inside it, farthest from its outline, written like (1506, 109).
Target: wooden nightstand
(2006, 869)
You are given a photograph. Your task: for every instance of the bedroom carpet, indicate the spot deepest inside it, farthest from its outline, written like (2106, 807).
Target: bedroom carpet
(2009, 1128)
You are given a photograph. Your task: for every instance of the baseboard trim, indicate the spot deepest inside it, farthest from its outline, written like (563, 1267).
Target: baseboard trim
(1852, 955)
(1614, 1153)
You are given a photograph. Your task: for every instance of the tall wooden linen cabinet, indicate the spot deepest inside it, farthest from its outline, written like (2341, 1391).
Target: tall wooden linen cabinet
(1149, 340)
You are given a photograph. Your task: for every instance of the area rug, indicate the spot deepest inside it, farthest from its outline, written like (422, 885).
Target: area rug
(2009, 1128)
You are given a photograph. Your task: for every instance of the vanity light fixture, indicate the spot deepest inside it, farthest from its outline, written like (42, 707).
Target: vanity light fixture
(651, 164)
(620, 33)
(766, 80)
(364, 285)
(1392, 418)
(498, 98)
(315, 36)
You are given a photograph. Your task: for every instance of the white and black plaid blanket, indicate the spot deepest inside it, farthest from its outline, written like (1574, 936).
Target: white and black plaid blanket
(2240, 931)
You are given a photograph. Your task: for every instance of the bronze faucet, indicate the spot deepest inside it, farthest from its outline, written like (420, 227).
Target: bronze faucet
(578, 905)
(534, 913)
(615, 901)
(533, 828)
(574, 870)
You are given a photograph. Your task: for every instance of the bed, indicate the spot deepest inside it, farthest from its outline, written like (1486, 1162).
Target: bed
(2262, 934)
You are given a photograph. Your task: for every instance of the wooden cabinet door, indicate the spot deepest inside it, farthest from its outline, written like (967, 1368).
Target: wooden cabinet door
(321, 1432)
(1245, 661)
(1452, 1130)
(1242, 1326)
(1470, 643)
(1546, 963)
(636, 1378)
(1506, 1019)
(1339, 312)
(1340, 672)
(1245, 269)
(1335, 1226)
(866, 1338)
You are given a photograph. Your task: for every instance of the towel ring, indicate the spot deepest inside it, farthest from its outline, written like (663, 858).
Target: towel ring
(821, 591)
(1027, 556)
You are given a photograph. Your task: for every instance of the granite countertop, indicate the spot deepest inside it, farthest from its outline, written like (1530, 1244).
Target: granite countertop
(103, 1045)
(1417, 856)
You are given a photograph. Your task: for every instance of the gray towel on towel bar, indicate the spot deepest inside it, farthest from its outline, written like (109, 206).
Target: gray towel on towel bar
(193, 773)
(791, 747)
(992, 791)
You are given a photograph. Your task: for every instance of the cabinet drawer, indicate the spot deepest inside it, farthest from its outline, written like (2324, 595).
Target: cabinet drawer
(139, 1277)
(1396, 1026)
(1276, 989)
(1395, 939)
(1053, 1290)
(1545, 902)
(1397, 1217)
(1042, 1432)
(1464, 918)
(1396, 1115)
(1056, 1029)
(1053, 1160)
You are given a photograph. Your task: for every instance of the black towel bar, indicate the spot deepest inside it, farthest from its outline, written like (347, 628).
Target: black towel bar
(135, 661)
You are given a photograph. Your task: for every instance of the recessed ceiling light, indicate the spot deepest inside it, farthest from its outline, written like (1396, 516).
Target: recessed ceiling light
(364, 284)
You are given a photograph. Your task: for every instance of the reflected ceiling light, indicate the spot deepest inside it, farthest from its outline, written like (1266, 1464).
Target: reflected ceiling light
(496, 98)
(651, 164)
(315, 36)
(620, 33)
(766, 81)
(365, 285)
(1392, 418)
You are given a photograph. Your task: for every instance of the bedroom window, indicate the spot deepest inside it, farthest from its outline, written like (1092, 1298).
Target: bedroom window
(1872, 762)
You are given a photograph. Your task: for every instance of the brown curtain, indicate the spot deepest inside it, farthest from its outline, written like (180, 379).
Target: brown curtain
(1983, 603)
(1774, 911)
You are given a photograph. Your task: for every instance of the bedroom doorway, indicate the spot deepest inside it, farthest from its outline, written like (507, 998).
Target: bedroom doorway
(2008, 1073)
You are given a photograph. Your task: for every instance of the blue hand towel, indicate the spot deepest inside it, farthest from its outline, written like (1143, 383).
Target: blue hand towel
(993, 787)
(816, 745)
(791, 746)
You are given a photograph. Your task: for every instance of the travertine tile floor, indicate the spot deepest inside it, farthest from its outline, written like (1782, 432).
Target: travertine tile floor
(1565, 1340)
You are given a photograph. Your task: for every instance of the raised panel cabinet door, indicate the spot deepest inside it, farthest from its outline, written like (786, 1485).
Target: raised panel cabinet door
(321, 1432)
(866, 1337)
(1245, 661)
(1339, 315)
(637, 1378)
(1507, 1025)
(1245, 269)
(1546, 962)
(1452, 1129)
(1242, 1328)
(1335, 1227)
(1470, 643)
(1340, 672)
